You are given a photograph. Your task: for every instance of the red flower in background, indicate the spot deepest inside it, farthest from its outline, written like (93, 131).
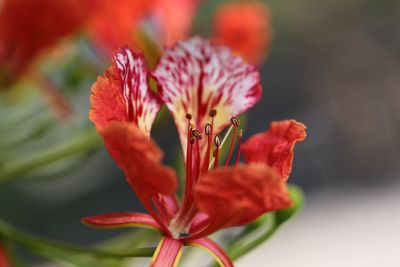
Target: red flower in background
(4, 261)
(28, 27)
(115, 23)
(245, 27)
(205, 87)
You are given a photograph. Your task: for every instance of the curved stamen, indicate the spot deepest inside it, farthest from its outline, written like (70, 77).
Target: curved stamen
(235, 123)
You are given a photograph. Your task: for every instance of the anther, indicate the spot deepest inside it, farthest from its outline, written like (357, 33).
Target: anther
(188, 116)
(217, 141)
(235, 121)
(240, 134)
(208, 129)
(197, 134)
(212, 113)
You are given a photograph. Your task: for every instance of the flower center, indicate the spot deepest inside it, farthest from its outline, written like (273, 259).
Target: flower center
(199, 160)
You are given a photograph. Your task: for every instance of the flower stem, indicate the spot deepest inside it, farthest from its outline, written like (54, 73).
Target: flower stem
(82, 143)
(42, 244)
(236, 253)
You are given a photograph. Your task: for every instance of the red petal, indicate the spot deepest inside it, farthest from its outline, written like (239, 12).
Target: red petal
(109, 30)
(167, 206)
(238, 195)
(245, 27)
(174, 23)
(122, 93)
(168, 253)
(28, 27)
(216, 251)
(195, 76)
(140, 158)
(275, 146)
(122, 220)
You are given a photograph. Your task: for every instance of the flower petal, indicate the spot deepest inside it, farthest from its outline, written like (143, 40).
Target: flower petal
(174, 23)
(140, 158)
(238, 195)
(109, 30)
(168, 253)
(122, 93)
(122, 220)
(245, 27)
(27, 28)
(196, 76)
(275, 146)
(167, 206)
(214, 249)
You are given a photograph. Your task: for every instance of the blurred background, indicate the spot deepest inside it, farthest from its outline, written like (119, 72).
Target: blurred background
(333, 65)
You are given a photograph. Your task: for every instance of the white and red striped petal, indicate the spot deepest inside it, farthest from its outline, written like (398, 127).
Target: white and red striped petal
(196, 76)
(123, 94)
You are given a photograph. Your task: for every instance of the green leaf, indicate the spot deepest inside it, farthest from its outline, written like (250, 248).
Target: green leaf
(56, 249)
(82, 143)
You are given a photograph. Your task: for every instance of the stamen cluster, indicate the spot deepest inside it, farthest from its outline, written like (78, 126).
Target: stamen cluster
(198, 162)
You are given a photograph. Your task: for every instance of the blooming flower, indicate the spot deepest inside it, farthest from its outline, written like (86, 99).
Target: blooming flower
(205, 87)
(165, 20)
(28, 27)
(245, 27)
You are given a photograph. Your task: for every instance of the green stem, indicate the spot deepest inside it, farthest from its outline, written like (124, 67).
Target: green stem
(236, 253)
(79, 144)
(39, 244)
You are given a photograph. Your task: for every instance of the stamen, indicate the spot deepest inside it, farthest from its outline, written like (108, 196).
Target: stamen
(196, 134)
(189, 180)
(208, 131)
(217, 142)
(240, 138)
(235, 122)
(221, 144)
(197, 166)
(189, 130)
(212, 113)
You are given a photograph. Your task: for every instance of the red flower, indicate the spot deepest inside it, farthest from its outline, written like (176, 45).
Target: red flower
(164, 20)
(205, 87)
(245, 27)
(28, 27)
(109, 30)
